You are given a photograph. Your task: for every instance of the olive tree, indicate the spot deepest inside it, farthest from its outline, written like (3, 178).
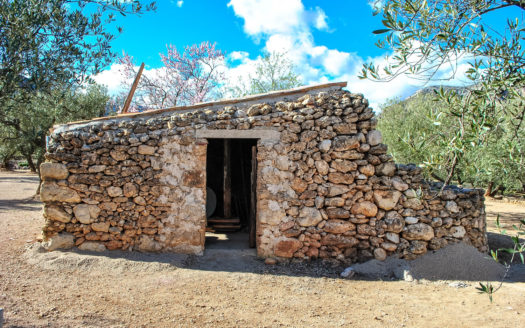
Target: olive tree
(273, 71)
(436, 40)
(38, 114)
(48, 51)
(416, 130)
(50, 44)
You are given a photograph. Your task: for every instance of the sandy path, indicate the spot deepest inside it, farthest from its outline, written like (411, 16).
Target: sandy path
(173, 291)
(509, 213)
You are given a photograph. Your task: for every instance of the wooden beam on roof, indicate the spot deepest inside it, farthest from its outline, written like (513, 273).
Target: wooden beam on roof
(127, 103)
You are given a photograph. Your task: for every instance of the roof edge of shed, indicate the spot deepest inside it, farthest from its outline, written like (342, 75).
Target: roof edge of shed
(268, 95)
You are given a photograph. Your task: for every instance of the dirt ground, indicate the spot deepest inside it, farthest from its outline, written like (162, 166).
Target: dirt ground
(224, 288)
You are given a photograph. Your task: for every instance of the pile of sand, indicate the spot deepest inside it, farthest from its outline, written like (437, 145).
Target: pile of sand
(457, 262)
(454, 262)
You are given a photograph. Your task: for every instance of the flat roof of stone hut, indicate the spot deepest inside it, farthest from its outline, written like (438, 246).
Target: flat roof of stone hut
(273, 96)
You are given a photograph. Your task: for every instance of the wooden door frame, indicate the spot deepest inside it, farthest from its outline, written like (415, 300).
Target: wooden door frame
(252, 239)
(252, 219)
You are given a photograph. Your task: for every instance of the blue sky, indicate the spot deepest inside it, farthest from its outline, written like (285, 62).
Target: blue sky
(350, 25)
(326, 40)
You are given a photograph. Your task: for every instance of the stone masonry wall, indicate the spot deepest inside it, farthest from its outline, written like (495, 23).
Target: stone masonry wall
(326, 188)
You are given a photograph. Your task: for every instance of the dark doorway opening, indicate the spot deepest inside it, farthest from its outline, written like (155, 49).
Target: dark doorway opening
(230, 203)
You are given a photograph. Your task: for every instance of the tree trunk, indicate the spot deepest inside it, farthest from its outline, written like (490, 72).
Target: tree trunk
(488, 192)
(458, 176)
(30, 163)
(495, 191)
(39, 185)
(8, 157)
(437, 177)
(39, 161)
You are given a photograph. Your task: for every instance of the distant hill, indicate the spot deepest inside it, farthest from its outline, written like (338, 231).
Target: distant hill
(431, 89)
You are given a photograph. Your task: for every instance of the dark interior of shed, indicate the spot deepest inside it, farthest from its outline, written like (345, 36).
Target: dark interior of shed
(230, 172)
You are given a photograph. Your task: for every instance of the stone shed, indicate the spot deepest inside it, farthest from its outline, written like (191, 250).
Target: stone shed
(302, 172)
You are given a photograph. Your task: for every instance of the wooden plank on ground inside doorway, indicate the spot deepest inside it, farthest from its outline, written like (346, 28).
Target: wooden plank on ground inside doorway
(227, 227)
(224, 221)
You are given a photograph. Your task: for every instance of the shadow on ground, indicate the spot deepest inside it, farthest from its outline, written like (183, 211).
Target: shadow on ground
(224, 252)
(508, 218)
(29, 204)
(499, 242)
(455, 262)
(220, 260)
(32, 179)
(27, 183)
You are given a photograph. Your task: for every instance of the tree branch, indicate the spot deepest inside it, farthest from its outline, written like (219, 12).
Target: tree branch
(517, 3)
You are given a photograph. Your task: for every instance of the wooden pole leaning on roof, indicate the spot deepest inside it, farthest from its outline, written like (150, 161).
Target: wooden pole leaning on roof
(132, 91)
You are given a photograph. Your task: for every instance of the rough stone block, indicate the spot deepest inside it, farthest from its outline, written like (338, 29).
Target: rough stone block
(100, 226)
(82, 213)
(458, 231)
(365, 208)
(146, 150)
(379, 254)
(386, 199)
(338, 226)
(374, 138)
(337, 213)
(339, 241)
(51, 192)
(92, 246)
(309, 216)
(62, 240)
(287, 247)
(343, 143)
(114, 191)
(97, 168)
(418, 231)
(56, 213)
(53, 171)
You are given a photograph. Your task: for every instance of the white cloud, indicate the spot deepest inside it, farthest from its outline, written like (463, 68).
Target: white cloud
(320, 19)
(112, 79)
(289, 30)
(269, 16)
(335, 61)
(116, 83)
(179, 3)
(376, 4)
(238, 55)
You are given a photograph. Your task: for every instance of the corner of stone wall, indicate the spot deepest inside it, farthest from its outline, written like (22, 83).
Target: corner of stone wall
(123, 184)
(329, 189)
(429, 219)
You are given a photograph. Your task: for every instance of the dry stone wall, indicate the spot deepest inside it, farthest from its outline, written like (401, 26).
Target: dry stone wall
(325, 189)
